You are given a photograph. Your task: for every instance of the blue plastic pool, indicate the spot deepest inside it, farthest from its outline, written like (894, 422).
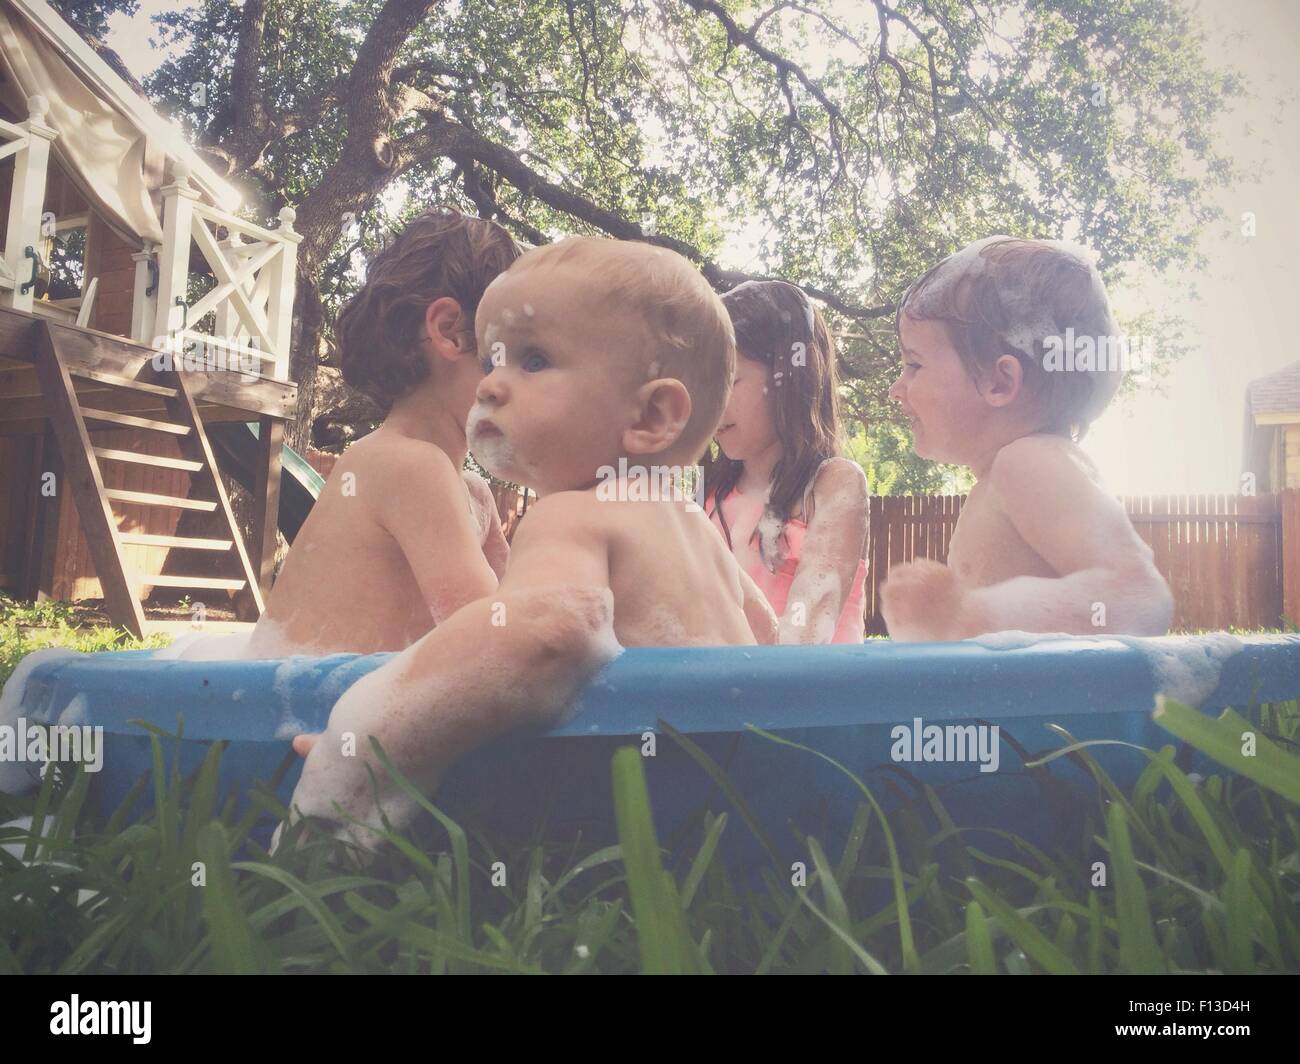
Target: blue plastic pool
(842, 701)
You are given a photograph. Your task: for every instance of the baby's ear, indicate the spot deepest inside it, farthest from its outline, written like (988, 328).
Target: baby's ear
(664, 407)
(1003, 381)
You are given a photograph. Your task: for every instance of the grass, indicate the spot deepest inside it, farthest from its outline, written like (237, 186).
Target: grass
(28, 626)
(1201, 875)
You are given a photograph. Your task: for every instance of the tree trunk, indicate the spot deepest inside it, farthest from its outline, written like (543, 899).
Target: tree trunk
(304, 348)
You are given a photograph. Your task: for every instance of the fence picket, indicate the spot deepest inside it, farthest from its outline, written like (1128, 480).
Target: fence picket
(1229, 560)
(1222, 555)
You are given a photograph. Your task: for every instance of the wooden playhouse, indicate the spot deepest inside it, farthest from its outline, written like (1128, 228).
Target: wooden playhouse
(138, 313)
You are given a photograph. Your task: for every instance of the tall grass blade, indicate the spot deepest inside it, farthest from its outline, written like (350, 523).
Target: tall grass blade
(979, 943)
(664, 946)
(1138, 952)
(1223, 740)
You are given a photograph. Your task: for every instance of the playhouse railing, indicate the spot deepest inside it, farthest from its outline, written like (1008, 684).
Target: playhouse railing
(252, 301)
(29, 144)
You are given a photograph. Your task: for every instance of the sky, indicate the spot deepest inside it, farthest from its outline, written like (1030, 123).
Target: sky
(1185, 438)
(1189, 440)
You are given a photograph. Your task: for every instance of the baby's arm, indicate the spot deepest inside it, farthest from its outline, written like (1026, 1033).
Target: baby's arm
(1108, 583)
(517, 657)
(832, 549)
(422, 505)
(495, 548)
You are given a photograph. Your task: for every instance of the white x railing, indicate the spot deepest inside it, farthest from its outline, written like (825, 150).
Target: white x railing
(254, 269)
(29, 144)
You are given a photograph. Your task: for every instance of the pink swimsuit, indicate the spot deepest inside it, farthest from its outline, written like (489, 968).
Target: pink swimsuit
(776, 585)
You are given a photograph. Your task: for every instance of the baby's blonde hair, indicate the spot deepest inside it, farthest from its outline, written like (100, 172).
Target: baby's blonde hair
(691, 336)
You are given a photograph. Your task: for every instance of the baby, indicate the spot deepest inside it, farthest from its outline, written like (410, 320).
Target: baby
(1040, 545)
(599, 355)
(399, 538)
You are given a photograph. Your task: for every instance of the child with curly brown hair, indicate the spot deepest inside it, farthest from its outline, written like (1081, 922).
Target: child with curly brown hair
(399, 539)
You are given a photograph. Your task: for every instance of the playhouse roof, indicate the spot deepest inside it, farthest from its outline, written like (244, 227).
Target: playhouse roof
(121, 145)
(1277, 393)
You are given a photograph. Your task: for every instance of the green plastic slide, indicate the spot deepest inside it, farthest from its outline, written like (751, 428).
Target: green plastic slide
(236, 449)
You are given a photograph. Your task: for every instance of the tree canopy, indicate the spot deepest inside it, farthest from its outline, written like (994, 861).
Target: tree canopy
(842, 146)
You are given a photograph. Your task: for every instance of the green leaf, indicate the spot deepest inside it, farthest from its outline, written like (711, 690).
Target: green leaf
(911, 960)
(702, 859)
(837, 911)
(203, 799)
(459, 844)
(868, 961)
(236, 948)
(665, 947)
(1138, 952)
(1022, 932)
(979, 944)
(1221, 739)
(310, 897)
(1239, 904)
(724, 784)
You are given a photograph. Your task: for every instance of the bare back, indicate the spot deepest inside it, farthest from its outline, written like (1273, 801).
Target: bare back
(673, 580)
(986, 548)
(349, 584)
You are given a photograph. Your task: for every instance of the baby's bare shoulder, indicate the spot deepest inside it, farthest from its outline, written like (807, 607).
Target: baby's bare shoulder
(564, 513)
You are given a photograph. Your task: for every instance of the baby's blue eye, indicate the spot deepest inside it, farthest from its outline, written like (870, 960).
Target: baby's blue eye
(534, 361)
(486, 363)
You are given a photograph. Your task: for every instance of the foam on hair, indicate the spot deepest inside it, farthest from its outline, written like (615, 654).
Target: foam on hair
(1023, 293)
(751, 304)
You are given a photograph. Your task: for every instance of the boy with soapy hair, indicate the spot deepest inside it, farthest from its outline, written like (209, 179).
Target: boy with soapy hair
(599, 355)
(1040, 545)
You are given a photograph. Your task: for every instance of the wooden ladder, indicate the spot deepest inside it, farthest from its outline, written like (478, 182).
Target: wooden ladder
(123, 584)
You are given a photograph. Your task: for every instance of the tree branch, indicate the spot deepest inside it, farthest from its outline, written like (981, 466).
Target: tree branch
(367, 161)
(785, 69)
(443, 136)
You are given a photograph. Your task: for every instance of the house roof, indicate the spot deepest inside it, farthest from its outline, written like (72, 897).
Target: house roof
(124, 97)
(1277, 393)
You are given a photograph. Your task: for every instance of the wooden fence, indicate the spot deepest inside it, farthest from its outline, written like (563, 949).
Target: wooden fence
(1231, 560)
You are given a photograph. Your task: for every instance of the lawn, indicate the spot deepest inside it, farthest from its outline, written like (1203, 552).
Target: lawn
(1202, 875)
